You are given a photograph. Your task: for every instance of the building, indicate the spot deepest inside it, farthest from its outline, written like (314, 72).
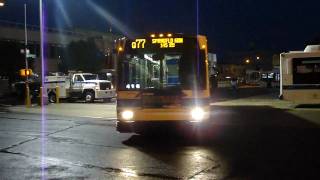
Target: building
(228, 71)
(56, 39)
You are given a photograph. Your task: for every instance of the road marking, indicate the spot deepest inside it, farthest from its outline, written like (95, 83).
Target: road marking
(94, 117)
(5, 105)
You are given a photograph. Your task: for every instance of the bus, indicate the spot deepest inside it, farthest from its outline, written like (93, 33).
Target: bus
(300, 75)
(162, 78)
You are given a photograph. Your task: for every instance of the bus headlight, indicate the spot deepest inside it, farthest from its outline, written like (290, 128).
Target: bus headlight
(197, 114)
(127, 115)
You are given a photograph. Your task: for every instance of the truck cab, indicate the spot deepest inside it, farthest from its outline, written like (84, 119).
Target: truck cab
(84, 86)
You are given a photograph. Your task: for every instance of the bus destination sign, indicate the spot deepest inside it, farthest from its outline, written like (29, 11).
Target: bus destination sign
(163, 42)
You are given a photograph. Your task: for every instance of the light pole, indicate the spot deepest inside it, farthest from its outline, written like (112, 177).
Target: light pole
(27, 72)
(28, 100)
(26, 38)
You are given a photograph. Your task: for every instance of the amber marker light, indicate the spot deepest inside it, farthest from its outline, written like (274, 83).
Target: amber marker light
(153, 35)
(160, 35)
(169, 35)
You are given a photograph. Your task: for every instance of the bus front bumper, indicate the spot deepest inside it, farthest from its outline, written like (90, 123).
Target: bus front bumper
(141, 127)
(130, 119)
(163, 114)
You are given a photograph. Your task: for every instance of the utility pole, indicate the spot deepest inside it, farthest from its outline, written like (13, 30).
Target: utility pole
(26, 38)
(27, 72)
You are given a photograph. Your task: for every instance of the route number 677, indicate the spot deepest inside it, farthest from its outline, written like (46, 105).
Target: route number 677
(138, 44)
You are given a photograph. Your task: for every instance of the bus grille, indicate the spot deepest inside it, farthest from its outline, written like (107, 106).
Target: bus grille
(160, 101)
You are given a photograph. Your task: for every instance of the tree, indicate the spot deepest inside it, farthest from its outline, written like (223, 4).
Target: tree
(82, 56)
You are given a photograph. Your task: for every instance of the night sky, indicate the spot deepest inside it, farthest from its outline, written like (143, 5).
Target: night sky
(231, 25)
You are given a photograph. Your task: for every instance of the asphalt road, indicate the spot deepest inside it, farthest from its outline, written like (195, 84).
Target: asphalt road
(239, 142)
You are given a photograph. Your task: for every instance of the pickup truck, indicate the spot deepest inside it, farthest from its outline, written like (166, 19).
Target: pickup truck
(84, 86)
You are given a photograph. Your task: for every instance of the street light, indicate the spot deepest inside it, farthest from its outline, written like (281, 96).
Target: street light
(247, 61)
(2, 3)
(26, 53)
(258, 57)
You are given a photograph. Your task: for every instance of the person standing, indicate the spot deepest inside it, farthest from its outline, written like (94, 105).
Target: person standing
(234, 86)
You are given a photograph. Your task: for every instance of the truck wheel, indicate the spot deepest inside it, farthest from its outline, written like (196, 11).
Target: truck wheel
(89, 97)
(52, 98)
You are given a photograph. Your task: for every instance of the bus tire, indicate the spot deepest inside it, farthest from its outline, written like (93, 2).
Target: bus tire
(124, 127)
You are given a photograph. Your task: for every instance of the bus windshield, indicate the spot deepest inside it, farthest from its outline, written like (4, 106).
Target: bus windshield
(162, 69)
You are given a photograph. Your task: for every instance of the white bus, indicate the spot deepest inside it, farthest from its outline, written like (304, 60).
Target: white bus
(300, 75)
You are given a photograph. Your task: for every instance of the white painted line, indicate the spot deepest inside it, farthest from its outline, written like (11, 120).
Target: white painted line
(5, 105)
(93, 117)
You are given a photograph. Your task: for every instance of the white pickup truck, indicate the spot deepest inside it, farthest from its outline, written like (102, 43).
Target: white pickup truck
(85, 86)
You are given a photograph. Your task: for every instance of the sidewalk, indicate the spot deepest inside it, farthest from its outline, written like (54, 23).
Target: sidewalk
(308, 114)
(94, 110)
(259, 100)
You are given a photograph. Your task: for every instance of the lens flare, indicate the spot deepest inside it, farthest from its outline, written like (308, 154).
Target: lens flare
(111, 19)
(197, 114)
(42, 13)
(64, 13)
(60, 22)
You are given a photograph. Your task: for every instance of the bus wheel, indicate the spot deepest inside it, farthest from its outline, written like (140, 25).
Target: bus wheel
(123, 127)
(89, 97)
(52, 98)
